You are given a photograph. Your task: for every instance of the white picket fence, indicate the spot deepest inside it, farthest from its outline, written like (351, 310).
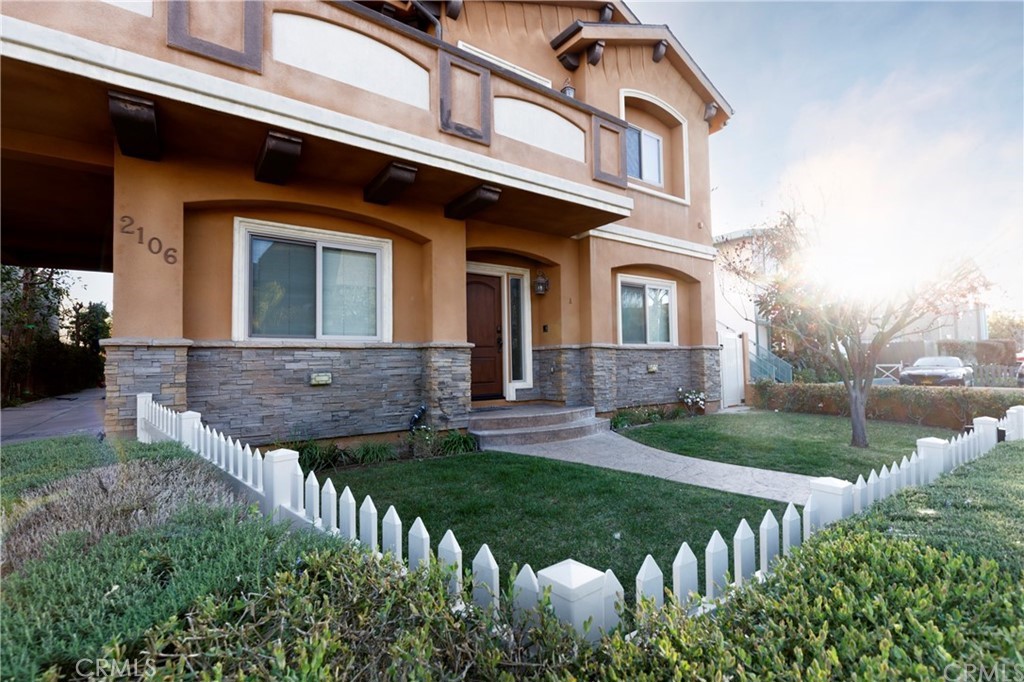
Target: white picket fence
(579, 593)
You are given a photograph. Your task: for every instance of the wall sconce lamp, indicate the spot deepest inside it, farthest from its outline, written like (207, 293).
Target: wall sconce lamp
(541, 284)
(567, 89)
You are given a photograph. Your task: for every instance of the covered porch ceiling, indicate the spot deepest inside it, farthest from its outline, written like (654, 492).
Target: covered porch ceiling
(57, 154)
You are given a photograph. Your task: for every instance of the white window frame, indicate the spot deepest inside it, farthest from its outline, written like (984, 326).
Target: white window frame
(661, 156)
(673, 306)
(505, 272)
(246, 228)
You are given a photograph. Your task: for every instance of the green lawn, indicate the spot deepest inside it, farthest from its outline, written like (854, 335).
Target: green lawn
(36, 463)
(538, 511)
(977, 509)
(798, 443)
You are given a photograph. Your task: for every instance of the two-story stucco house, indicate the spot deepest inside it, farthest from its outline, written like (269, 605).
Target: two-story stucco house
(321, 215)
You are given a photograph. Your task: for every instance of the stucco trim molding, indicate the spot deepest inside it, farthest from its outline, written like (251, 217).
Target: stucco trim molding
(250, 57)
(623, 347)
(277, 344)
(450, 125)
(650, 240)
(144, 342)
(68, 53)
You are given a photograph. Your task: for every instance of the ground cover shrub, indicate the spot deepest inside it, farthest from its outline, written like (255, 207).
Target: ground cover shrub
(456, 443)
(36, 463)
(423, 442)
(346, 614)
(317, 456)
(75, 600)
(373, 452)
(948, 407)
(813, 445)
(648, 414)
(116, 499)
(853, 604)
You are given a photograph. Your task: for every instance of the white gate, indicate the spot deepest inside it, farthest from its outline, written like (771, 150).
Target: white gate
(732, 369)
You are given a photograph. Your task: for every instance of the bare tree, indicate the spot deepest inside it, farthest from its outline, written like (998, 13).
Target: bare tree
(845, 332)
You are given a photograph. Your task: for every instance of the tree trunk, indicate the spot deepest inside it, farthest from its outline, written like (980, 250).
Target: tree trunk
(858, 416)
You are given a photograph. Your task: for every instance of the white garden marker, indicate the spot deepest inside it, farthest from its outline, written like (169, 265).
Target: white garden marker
(743, 553)
(790, 529)
(486, 581)
(650, 582)
(450, 554)
(684, 576)
(419, 545)
(329, 508)
(347, 514)
(391, 533)
(769, 532)
(368, 524)
(716, 566)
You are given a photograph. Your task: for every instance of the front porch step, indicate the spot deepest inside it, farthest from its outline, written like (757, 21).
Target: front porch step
(529, 426)
(526, 417)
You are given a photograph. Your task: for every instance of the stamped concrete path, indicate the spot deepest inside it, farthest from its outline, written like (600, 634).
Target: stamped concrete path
(609, 450)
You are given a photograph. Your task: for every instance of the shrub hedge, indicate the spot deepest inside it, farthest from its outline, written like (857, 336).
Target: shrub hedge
(947, 407)
(345, 614)
(67, 606)
(853, 604)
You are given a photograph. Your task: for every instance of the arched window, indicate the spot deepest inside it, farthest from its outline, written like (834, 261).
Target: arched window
(657, 145)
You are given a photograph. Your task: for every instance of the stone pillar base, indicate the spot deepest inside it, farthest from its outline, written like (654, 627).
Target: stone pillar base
(446, 385)
(157, 366)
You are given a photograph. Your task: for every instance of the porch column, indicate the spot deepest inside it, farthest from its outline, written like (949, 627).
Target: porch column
(146, 353)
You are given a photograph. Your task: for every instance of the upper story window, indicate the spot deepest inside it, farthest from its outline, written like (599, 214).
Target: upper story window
(303, 283)
(644, 156)
(657, 146)
(647, 310)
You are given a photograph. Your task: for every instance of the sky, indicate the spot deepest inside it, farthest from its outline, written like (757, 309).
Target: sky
(895, 128)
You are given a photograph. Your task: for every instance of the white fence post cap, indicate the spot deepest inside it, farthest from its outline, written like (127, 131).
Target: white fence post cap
(281, 455)
(830, 484)
(570, 579)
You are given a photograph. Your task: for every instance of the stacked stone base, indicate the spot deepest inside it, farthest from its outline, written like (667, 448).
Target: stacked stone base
(136, 366)
(610, 377)
(265, 394)
(276, 392)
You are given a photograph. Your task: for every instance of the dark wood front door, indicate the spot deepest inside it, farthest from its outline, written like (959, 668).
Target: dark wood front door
(483, 330)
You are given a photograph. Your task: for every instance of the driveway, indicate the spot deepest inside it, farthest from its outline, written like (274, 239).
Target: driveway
(65, 415)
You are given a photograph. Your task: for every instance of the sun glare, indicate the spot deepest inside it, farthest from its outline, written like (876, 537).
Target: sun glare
(866, 272)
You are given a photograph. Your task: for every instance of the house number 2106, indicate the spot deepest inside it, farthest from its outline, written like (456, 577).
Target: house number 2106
(153, 244)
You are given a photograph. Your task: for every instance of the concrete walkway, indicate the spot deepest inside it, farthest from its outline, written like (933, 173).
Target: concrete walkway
(609, 450)
(65, 415)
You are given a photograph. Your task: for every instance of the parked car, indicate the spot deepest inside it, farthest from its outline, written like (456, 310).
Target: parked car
(1020, 376)
(943, 370)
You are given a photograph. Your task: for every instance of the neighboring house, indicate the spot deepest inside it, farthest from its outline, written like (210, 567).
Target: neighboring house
(321, 215)
(745, 337)
(970, 324)
(735, 312)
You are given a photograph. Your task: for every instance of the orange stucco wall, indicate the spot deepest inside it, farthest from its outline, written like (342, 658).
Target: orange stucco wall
(188, 199)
